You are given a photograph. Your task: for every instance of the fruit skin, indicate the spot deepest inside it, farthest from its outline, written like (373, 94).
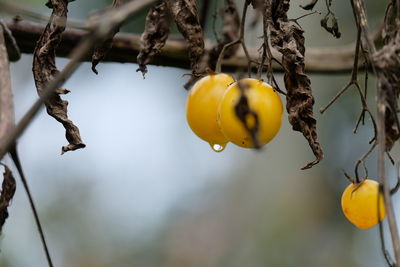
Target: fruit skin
(359, 205)
(202, 107)
(263, 100)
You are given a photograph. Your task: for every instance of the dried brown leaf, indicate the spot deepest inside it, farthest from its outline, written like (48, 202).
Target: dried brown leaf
(8, 188)
(288, 39)
(155, 35)
(44, 70)
(186, 18)
(101, 50)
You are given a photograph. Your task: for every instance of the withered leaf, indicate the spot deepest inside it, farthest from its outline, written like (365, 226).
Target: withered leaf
(44, 70)
(8, 188)
(101, 49)
(334, 28)
(155, 35)
(186, 18)
(288, 39)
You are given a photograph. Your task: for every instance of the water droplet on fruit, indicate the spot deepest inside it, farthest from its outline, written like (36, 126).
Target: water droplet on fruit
(217, 147)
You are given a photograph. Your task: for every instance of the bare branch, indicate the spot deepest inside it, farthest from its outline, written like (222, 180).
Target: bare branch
(126, 48)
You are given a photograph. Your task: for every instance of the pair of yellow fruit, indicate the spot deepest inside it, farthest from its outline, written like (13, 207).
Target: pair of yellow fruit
(210, 110)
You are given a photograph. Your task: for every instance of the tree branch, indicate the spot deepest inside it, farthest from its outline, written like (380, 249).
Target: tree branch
(126, 48)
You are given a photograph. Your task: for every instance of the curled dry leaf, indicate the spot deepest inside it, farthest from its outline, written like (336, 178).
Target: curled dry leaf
(288, 39)
(101, 50)
(155, 35)
(44, 70)
(7, 193)
(186, 18)
(334, 28)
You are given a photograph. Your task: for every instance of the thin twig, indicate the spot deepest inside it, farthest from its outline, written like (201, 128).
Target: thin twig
(239, 40)
(17, 162)
(354, 73)
(362, 160)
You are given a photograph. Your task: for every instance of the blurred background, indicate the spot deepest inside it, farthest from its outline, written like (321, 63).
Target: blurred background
(147, 192)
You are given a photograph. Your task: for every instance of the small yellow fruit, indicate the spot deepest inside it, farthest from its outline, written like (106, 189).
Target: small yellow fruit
(263, 100)
(202, 108)
(360, 204)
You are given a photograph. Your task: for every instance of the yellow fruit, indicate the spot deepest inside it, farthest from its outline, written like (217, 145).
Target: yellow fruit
(202, 108)
(360, 204)
(263, 100)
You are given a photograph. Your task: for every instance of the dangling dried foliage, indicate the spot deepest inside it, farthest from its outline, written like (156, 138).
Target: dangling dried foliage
(101, 50)
(387, 59)
(44, 70)
(288, 39)
(7, 193)
(186, 18)
(155, 35)
(334, 28)
(230, 32)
